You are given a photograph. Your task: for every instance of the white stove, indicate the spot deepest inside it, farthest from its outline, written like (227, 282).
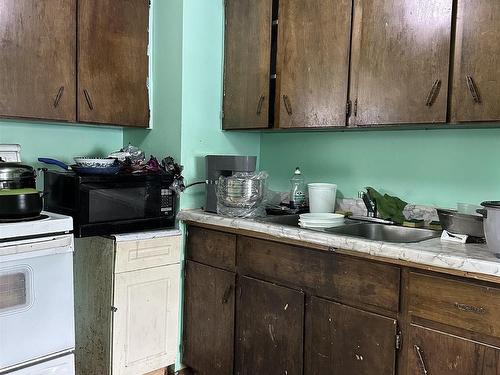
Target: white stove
(49, 223)
(37, 328)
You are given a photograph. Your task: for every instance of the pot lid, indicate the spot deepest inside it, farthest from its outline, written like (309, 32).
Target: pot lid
(15, 171)
(492, 204)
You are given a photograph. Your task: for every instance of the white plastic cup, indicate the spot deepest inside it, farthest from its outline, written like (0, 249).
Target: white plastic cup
(322, 197)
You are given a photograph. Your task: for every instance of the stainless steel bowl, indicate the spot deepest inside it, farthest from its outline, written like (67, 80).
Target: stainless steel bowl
(458, 223)
(240, 192)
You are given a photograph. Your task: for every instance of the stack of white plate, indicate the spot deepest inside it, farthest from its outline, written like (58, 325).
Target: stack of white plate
(320, 220)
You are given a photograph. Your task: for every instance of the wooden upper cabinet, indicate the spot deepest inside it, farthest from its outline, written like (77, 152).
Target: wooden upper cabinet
(313, 62)
(37, 59)
(247, 64)
(113, 62)
(400, 61)
(476, 73)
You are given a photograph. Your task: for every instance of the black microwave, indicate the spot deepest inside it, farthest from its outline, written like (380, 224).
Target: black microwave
(111, 204)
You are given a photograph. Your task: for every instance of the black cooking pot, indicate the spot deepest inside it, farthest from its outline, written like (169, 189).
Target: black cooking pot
(19, 198)
(20, 204)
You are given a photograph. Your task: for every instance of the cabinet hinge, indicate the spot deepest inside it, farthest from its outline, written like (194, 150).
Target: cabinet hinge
(355, 109)
(222, 114)
(398, 340)
(348, 108)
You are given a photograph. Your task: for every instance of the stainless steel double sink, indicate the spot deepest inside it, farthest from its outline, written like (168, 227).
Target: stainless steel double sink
(368, 230)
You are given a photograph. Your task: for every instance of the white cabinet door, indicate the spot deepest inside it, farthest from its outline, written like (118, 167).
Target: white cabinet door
(145, 323)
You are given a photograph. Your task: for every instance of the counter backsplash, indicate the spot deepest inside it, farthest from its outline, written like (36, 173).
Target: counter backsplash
(411, 211)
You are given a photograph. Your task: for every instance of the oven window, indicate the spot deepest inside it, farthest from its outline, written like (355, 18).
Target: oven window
(14, 290)
(117, 204)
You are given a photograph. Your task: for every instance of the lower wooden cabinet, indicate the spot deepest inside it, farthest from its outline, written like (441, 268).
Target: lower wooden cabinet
(344, 340)
(269, 329)
(278, 309)
(433, 352)
(208, 337)
(126, 304)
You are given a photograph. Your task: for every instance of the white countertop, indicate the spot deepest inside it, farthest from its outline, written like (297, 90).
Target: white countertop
(473, 258)
(146, 235)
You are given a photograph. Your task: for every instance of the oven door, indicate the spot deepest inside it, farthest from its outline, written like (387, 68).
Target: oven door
(36, 299)
(125, 201)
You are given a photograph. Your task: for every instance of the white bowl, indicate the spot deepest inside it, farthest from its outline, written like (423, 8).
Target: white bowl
(318, 222)
(321, 216)
(320, 226)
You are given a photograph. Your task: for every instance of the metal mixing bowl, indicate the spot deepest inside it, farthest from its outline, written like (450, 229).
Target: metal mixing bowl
(240, 192)
(454, 222)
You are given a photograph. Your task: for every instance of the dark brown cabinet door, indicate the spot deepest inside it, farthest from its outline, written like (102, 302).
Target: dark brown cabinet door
(37, 59)
(269, 329)
(476, 74)
(247, 63)
(208, 337)
(313, 62)
(113, 62)
(432, 352)
(345, 340)
(400, 61)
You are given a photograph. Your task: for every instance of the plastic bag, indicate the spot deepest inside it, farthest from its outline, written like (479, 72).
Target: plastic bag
(242, 195)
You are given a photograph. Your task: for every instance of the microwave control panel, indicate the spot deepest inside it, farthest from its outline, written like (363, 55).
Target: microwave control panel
(167, 201)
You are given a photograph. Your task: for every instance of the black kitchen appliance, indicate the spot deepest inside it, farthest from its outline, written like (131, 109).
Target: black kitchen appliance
(111, 204)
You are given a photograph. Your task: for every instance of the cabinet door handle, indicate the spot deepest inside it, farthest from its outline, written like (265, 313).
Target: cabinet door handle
(288, 105)
(470, 308)
(421, 361)
(259, 105)
(58, 96)
(431, 98)
(473, 89)
(227, 294)
(88, 99)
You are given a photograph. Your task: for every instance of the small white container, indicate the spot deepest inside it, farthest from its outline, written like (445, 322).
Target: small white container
(322, 197)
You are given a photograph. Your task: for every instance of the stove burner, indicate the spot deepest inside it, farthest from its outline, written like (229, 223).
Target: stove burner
(35, 218)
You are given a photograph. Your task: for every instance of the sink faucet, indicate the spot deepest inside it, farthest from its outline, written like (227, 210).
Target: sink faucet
(371, 210)
(371, 206)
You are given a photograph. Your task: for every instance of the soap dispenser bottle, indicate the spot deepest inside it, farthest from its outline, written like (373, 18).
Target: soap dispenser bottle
(298, 190)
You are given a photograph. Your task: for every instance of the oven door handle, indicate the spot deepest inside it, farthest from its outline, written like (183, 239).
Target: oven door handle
(34, 248)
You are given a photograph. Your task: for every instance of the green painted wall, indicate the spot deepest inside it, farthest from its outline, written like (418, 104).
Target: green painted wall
(437, 167)
(202, 57)
(166, 84)
(60, 141)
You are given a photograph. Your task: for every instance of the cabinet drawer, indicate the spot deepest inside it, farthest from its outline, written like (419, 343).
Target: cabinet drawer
(464, 305)
(324, 274)
(155, 252)
(211, 247)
